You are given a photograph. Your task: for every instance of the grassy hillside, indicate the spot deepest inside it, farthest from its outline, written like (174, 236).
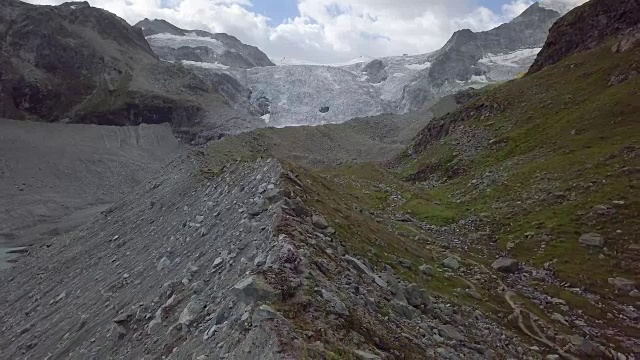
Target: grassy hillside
(539, 155)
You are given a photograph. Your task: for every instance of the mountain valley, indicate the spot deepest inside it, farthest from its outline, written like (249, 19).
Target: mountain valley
(193, 200)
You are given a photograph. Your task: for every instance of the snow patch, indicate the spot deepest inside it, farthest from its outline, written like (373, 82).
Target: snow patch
(418, 66)
(205, 64)
(189, 40)
(481, 78)
(266, 118)
(513, 59)
(286, 62)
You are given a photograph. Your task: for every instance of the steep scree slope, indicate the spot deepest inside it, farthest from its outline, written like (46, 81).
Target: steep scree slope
(57, 176)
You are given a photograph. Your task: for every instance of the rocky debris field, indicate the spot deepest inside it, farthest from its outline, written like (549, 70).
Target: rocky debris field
(239, 266)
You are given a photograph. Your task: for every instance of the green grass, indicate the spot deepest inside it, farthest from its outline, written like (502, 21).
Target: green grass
(430, 212)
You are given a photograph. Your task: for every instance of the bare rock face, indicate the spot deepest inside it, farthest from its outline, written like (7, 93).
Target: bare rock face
(588, 26)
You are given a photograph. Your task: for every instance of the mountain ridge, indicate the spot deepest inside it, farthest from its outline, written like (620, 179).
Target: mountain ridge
(235, 53)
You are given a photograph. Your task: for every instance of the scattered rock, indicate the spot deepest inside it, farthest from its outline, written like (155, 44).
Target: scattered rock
(592, 239)
(451, 263)
(506, 265)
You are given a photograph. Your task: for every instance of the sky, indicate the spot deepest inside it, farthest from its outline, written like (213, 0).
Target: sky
(328, 31)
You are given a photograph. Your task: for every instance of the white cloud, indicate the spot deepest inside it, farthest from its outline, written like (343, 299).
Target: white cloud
(328, 31)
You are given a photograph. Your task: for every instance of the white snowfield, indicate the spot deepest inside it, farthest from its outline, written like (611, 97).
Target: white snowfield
(205, 65)
(189, 40)
(516, 58)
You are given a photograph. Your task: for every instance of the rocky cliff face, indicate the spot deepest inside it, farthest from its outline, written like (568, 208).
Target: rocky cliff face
(589, 25)
(76, 63)
(174, 44)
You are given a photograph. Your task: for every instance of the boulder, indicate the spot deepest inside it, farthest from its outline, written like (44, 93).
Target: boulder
(451, 263)
(416, 296)
(319, 221)
(622, 284)
(592, 240)
(191, 312)
(362, 268)
(426, 270)
(254, 289)
(506, 265)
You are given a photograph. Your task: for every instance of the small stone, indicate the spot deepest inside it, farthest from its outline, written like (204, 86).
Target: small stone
(199, 219)
(622, 284)
(451, 263)
(450, 332)
(259, 261)
(197, 287)
(592, 239)
(191, 312)
(362, 268)
(405, 263)
(319, 221)
(363, 355)
(209, 206)
(118, 331)
(426, 270)
(337, 306)
(254, 288)
(217, 262)
(59, 298)
(204, 231)
(506, 265)
(163, 263)
(416, 296)
(560, 318)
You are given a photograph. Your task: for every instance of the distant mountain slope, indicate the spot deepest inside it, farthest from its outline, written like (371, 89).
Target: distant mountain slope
(76, 63)
(175, 44)
(296, 94)
(468, 54)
